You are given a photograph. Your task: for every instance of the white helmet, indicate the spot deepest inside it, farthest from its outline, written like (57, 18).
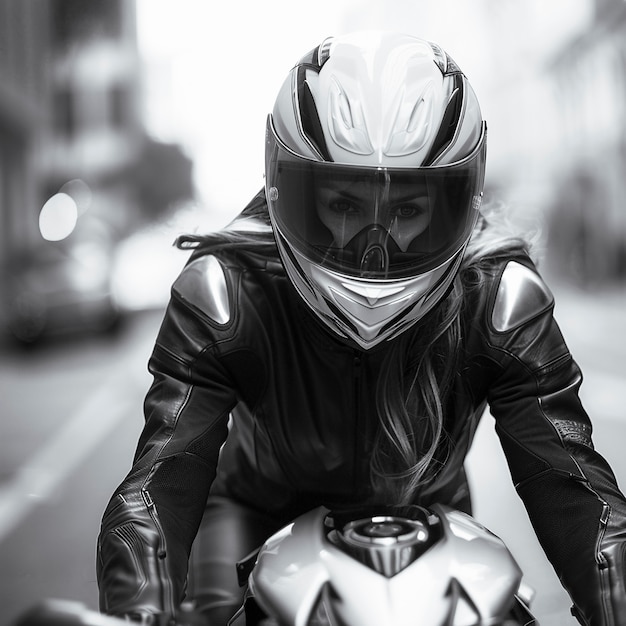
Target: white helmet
(375, 158)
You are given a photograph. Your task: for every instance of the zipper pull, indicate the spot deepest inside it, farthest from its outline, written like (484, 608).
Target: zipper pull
(147, 498)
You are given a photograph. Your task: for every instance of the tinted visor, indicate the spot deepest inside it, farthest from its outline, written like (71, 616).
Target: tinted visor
(373, 222)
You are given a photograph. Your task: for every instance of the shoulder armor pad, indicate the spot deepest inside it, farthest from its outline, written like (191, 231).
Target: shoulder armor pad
(521, 295)
(203, 285)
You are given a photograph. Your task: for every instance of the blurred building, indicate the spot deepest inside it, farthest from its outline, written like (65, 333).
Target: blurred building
(70, 131)
(25, 114)
(95, 131)
(588, 212)
(554, 97)
(69, 104)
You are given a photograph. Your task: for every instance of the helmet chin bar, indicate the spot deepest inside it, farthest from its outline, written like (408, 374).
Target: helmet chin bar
(366, 311)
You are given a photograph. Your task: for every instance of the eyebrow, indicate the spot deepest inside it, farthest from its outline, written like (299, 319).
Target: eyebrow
(344, 193)
(405, 198)
(402, 197)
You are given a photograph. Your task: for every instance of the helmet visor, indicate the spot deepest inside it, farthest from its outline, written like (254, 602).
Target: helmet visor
(373, 222)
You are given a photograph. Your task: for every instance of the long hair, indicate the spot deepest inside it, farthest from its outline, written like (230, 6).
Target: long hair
(250, 230)
(412, 445)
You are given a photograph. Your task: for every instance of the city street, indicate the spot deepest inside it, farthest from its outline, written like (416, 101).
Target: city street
(71, 414)
(127, 124)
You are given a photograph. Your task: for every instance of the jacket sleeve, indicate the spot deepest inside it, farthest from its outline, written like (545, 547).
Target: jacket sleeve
(152, 519)
(568, 489)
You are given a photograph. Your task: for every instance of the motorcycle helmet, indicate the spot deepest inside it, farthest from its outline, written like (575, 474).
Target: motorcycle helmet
(374, 168)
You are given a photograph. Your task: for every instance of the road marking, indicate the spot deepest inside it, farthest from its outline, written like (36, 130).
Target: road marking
(36, 480)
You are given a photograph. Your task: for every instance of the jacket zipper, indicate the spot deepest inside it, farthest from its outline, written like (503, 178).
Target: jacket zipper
(603, 565)
(167, 599)
(356, 460)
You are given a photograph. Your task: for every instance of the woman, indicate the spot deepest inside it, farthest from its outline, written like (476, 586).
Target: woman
(338, 343)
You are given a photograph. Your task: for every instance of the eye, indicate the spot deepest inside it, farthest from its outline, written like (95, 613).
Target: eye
(343, 206)
(408, 211)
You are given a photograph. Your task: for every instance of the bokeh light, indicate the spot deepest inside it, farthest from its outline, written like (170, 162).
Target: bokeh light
(58, 217)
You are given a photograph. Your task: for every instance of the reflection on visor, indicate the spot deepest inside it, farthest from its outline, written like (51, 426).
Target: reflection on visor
(347, 206)
(374, 222)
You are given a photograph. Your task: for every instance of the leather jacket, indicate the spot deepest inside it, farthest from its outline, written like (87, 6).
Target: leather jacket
(244, 373)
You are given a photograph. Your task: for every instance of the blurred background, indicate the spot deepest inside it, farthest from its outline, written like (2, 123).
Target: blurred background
(124, 123)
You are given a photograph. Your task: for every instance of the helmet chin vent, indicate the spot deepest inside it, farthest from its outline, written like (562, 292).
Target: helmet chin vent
(339, 316)
(400, 322)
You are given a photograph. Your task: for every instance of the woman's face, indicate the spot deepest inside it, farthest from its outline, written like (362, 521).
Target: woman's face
(349, 207)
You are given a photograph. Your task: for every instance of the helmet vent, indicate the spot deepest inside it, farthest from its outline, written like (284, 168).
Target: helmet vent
(323, 52)
(443, 60)
(449, 123)
(347, 121)
(309, 117)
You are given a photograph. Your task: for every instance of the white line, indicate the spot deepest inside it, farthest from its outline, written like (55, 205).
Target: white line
(36, 480)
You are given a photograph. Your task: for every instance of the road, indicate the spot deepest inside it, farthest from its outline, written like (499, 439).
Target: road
(71, 414)
(594, 326)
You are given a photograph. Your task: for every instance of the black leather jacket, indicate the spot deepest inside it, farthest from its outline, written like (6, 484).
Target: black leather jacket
(237, 339)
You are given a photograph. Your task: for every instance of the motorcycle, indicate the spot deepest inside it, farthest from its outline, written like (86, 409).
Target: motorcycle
(384, 566)
(391, 566)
